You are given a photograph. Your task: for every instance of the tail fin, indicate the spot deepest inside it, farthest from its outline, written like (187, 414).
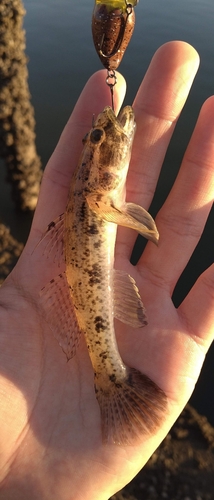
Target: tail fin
(130, 409)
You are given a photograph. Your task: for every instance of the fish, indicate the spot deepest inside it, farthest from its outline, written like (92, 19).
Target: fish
(91, 290)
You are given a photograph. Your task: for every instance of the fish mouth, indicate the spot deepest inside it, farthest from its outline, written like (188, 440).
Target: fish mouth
(124, 122)
(126, 119)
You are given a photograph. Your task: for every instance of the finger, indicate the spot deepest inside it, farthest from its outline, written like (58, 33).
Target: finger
(183, 216)
(197, 310)
(57, 176)
(157, 106)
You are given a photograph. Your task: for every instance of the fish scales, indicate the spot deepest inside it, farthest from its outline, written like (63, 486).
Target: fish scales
(90, 274)
(131, 404)
(89, 246)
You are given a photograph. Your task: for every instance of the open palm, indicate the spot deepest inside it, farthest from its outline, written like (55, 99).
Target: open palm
(50, 438)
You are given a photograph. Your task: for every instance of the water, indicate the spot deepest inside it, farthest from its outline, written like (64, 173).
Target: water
(61, 59)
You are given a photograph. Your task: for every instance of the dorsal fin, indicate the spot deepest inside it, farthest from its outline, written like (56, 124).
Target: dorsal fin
(59, 313)
(53, 238)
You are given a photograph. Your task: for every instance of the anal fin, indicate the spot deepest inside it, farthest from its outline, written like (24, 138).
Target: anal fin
(59, 313)
(128, 306)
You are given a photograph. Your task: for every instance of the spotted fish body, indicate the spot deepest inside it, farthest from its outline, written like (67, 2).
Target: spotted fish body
(130, 403)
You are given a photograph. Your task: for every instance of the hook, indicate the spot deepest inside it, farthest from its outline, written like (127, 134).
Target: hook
(112, 30)
(119, 41)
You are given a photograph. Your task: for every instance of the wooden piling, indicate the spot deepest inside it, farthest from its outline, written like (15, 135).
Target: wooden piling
(17, 123)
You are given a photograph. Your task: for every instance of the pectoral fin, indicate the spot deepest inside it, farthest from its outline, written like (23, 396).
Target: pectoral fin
(129, 215)
(128, 306)
(146, 221)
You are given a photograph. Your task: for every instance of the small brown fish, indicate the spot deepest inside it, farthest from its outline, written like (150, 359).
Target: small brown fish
(131, 405)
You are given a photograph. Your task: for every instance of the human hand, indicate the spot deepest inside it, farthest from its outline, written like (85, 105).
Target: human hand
(51, 443)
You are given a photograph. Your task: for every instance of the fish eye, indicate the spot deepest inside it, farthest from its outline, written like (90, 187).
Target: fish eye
(96, 135)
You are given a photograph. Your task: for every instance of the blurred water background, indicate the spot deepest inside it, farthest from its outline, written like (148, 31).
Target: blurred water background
(62, 58)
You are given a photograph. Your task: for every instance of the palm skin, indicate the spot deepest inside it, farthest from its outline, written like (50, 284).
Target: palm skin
(51, 443)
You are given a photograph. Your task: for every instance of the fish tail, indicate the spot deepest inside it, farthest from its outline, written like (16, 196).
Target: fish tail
(130, 409)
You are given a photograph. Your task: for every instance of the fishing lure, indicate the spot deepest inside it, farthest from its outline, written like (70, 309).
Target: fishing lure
(113, 24)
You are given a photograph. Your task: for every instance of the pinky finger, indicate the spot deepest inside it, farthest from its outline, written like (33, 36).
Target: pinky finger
(197, 309)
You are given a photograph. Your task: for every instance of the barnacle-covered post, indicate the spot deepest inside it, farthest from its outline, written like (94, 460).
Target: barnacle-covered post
(113, 23)
(10, 251)
(17, 124)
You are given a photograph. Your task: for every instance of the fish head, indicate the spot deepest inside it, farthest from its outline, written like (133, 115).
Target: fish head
(110, 143)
